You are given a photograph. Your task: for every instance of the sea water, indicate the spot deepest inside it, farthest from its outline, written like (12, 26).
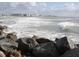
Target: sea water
(48, 27)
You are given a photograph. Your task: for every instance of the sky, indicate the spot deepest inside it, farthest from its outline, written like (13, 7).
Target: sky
(50, 8)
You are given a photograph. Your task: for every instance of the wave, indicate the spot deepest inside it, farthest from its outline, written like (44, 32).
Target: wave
(67, 25)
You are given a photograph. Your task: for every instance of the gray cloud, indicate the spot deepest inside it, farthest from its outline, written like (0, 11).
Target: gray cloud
(39, 7)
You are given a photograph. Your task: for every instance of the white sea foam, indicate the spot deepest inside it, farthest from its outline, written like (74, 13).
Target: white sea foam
(68, 25)
(24, 27)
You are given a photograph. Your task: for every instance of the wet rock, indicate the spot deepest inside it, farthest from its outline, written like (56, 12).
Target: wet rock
(6, 45)
(62, 45)
(72, 53)
(26, 44)
(40, 39)
(45, 50)
(7, 40)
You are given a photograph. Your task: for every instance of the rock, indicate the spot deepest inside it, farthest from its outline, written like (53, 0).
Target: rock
(7, 40)
(41, 39)
(2, 54)
(11, 37)
(3, 27)
(6, 45)
(71, 53)
(77, 45)
(45, 50)
(62, 45)
(13, 53)
(26, 44)
(2, 34)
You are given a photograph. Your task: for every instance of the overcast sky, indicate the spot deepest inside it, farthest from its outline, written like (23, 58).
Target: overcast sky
(54, 8)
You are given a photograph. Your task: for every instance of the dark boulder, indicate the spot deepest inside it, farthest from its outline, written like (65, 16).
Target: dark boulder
(45, 50)
(26, 44)
(41, 39)
(71, 53)
(62, 45)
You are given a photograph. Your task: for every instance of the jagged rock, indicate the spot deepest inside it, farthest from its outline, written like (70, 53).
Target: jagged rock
(6, 45)
(26, 44)
(62, 45)
(45, 50)
(72, 53)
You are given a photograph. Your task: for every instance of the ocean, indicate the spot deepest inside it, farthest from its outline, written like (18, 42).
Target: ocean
(48, 27)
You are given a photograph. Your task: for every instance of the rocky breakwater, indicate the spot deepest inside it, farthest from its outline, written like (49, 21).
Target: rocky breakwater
(8, 44)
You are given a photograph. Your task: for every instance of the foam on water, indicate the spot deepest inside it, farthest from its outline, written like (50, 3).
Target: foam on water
(22, 26)
(28, 26)
(66, 25)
